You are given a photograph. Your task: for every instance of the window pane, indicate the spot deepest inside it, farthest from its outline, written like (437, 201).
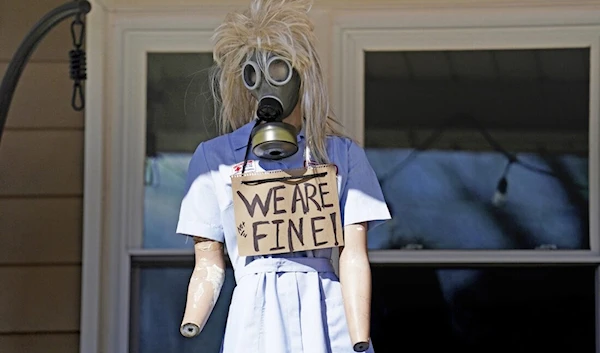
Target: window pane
(465, 310)
(483, 310)
(179, 117)
(441, 128)
(157, 304)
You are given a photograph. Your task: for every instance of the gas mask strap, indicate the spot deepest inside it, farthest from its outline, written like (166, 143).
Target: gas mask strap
(309, 253)
(248, 145)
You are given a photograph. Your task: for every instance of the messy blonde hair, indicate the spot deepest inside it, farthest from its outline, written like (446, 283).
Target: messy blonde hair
(277, 26)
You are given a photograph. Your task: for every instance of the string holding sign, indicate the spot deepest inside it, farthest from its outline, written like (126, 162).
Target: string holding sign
(288, 178)
(287, 211)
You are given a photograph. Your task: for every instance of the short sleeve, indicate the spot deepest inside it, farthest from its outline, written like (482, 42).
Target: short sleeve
(362, 199)
(200, 213)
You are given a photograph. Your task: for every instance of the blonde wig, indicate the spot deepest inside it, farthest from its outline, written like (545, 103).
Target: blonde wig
(281, 27)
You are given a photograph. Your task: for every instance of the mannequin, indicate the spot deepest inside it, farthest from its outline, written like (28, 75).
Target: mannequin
(355, 276)
(275, 118)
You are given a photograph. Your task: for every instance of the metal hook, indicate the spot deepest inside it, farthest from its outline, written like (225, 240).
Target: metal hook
(77, 99)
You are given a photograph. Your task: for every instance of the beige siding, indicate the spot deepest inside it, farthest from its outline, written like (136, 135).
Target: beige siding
(39, 298)
(41, 163)
(41, 178)
(44, 87)
(40, 231)
(17, 17)
(46, 343)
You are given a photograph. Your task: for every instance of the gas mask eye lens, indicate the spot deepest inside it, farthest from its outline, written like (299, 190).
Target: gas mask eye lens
(251, 75)
(279, 71)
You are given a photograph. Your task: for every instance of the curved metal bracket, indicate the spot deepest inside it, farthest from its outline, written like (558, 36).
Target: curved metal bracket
(26, 48)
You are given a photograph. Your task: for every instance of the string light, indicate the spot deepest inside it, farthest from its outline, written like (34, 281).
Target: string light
(499, 198)
(502, 187)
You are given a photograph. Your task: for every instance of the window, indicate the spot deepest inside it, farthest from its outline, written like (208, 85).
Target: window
(485, 309)
(179, 116)
(166, 112)
(444, 107)
(481, 149)
(485, 143)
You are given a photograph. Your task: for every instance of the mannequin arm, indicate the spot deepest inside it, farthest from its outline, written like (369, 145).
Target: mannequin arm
(355, 279)
(205, 285)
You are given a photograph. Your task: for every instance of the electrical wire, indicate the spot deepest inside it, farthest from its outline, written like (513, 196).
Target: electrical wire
(511, 157)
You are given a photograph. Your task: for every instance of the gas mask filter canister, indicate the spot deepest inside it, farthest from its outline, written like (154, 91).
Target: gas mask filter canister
(277, 90)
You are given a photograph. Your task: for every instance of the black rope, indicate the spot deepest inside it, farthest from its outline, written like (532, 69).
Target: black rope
(30, 42)
(78, 62)
(287, 178)
(248, 145)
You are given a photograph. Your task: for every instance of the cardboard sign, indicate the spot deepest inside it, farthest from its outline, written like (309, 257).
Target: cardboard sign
(287, 211)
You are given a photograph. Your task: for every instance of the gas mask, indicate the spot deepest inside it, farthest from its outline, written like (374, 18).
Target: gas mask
(277, 90)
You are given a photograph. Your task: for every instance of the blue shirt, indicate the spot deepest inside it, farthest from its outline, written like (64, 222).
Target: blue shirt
(285, 303)
(207, 208)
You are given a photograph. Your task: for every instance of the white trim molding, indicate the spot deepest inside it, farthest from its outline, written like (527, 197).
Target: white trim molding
(129, 136)
(358, 5)
(115, 150)
(94, 169)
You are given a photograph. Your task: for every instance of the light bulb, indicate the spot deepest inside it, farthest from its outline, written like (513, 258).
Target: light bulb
(499, 198)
